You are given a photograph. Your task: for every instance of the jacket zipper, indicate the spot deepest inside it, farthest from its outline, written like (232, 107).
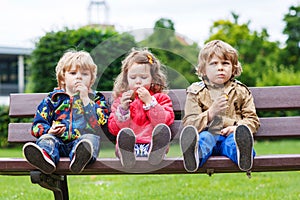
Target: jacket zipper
(71, 118)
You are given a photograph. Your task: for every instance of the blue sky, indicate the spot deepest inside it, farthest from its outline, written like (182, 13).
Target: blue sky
(23, 22)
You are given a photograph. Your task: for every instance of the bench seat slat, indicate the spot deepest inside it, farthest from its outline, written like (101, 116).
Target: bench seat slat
(215, 164)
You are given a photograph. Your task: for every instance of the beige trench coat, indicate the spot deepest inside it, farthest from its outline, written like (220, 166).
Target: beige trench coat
(241, 109)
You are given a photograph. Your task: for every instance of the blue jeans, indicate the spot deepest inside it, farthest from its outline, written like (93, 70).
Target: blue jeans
(56, 148)
(217, 145)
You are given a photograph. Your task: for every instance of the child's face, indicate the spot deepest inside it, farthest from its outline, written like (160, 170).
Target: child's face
(218, 71)
(139, 75)
(75, 78)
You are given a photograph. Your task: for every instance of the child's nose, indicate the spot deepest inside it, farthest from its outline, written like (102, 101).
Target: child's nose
(78, 75)
(220, 67)
(138, 81)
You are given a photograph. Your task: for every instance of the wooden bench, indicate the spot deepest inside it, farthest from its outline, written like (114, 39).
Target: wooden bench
(266, 98)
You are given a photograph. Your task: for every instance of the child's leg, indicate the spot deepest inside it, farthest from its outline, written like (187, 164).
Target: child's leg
(95, 140)
(207, 143)
(142, 150)
(161, 137)
(196, 148)
(228, 148)
(239, 148)
(44, 154)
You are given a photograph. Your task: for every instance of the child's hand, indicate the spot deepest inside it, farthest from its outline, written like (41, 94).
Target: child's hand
(83, 91)
(218, 106)
(229, 129)
(126, 99)
(144, 95)
(57, 129)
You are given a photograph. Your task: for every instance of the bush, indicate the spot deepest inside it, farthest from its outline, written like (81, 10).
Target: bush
(4, 121)
(106, 47)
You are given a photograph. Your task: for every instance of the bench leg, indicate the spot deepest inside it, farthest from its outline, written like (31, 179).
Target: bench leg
(56, 183)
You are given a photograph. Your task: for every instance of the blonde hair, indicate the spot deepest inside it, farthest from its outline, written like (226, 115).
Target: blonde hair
(222, 50)
(145, 57)
(79, 59)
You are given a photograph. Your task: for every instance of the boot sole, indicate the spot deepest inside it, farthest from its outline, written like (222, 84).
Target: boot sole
(36, 158)
(126, 142)
(188, 145)
(244, 145)
(83, 155)
(161, 137)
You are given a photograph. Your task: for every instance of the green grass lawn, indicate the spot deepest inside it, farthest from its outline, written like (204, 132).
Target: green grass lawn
(262, 185)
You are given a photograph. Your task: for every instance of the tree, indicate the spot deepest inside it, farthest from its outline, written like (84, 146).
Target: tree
(256, 53)
(177, 52)
(164, 23)
(290, 55)
(106, 47)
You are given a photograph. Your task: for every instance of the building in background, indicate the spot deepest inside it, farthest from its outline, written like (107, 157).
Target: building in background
(12, 71)
(13, 59)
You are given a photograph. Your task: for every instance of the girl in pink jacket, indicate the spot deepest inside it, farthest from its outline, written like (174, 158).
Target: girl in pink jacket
(141, 112)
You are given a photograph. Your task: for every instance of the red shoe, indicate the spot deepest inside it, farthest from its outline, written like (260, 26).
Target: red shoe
(38, 158)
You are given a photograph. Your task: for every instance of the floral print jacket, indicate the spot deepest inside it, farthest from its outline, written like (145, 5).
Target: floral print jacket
(60, 108)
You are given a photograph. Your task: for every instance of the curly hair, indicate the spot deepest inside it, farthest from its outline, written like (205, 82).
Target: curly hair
(80, 59)
(222, 50)
(145, 57)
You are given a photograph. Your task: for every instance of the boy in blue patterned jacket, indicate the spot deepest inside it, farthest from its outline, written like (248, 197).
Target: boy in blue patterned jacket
(68, 121)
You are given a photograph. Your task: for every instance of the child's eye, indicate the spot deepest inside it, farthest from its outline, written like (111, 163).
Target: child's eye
(144, 77)
(213, 63)
(132, 77)
(226, 63)
(72, 73)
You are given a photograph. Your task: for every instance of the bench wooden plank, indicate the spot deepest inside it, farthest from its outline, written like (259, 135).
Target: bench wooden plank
(25, 104)
(215, 164)
(276, 98)
(276, 127)
(266, 98)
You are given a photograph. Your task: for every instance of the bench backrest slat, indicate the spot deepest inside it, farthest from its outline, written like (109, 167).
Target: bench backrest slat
(266, 98)
(276, 98)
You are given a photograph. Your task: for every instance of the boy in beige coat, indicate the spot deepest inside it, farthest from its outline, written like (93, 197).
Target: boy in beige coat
(220, 115)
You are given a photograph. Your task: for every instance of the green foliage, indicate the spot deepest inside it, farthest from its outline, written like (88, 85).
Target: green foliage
(51, 47)
(108, 56)
(4, 120)
(290, 55)
(281, 76)
(175, 51)
(164, 23)
(256, 53)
